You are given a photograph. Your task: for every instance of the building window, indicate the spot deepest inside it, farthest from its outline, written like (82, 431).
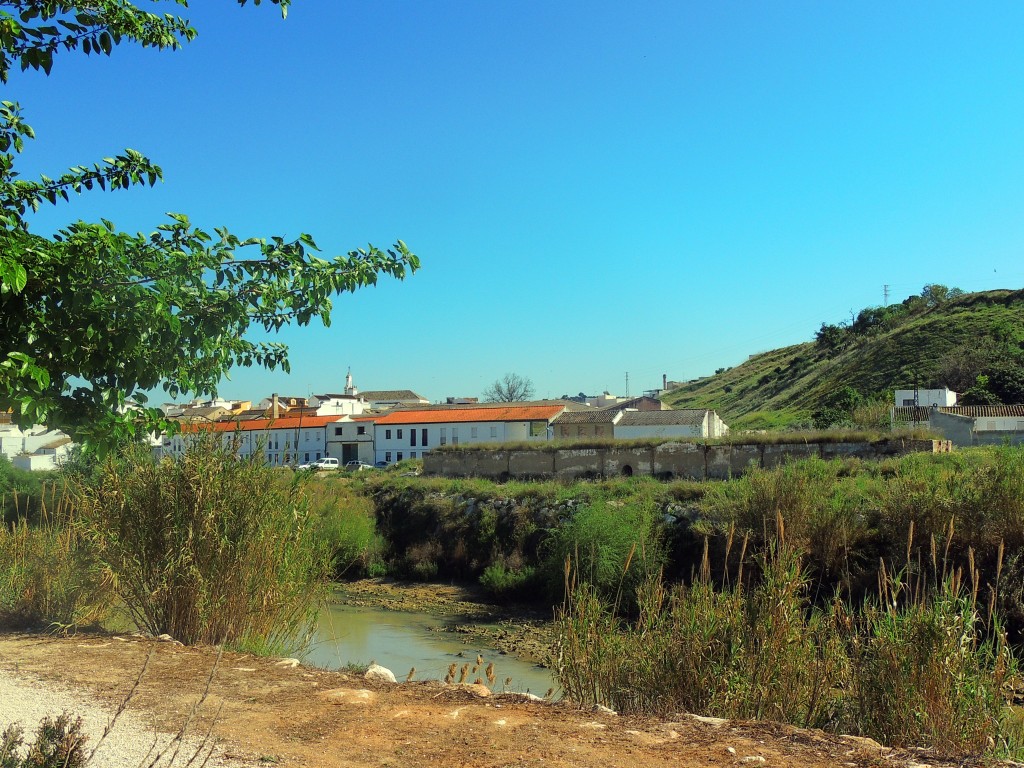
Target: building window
(599, 430)
(472, 431)
(423, 437)
(399, 434)
(337, 431)
(494, 431)
(305, 458)
(318, 455)
(398, 456)
(387, 434)
(387, 456)
(444, 435)
(412, 454)
(360, 430)
(412, 436)
(455, 435)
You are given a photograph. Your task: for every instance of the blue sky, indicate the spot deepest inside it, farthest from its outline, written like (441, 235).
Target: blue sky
(594, 188)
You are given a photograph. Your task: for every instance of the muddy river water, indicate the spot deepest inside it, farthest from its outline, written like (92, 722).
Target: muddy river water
(402, 640)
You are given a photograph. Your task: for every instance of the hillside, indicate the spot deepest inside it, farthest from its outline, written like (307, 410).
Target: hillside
(882, 350)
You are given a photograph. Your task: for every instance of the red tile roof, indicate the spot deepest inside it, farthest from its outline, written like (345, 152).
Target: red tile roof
(259, 425)
(449, 415)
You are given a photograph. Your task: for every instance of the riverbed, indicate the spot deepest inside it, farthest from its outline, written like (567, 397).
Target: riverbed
(420, 631)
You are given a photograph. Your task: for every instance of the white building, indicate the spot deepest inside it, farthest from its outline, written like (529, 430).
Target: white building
(337, 405)
(689, 422)
(286, 441)
(408, 433)
(925, 397)
(351, 439)
(967, 425)
(48, 456)
(604, 400)
(15, 440)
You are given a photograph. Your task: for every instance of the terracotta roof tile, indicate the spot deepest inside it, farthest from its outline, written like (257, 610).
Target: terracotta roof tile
(449, 415)
(258, 425)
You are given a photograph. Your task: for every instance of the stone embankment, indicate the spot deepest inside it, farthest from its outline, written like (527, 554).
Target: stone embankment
(691, 461)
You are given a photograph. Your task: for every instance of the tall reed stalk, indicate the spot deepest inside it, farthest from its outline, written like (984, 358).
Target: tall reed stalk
(48, 575)
(925, 662)
(207, 548)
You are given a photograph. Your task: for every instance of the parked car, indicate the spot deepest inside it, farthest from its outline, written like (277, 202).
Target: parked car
(381, 465)
(357, 465)
(325, 463)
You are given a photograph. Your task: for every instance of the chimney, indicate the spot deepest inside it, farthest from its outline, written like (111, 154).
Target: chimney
(664, 381)
(275, 406)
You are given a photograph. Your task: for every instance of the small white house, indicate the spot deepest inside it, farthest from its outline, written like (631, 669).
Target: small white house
(689, 422)
(926, 398)
(15, 440)
(967, 425)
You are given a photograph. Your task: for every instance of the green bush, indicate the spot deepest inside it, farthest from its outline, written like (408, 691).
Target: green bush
(612, 544)
(23, 494)
(59, 743)
(207, 548)
(503, 583)
(343, 517)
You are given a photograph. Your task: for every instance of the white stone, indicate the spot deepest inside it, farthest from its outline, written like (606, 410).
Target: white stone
(380, 674)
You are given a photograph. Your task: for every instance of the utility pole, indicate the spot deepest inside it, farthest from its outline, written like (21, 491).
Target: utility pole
(627, 383)
(885, 295)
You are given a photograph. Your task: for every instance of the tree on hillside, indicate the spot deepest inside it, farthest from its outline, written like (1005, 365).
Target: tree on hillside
(935, 294)
(91, 317)
(510, 388)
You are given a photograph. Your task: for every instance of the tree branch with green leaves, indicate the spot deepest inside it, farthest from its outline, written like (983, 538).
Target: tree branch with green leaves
(92, 318)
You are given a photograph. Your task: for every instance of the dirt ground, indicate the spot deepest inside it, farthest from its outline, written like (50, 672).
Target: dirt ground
(275, 713)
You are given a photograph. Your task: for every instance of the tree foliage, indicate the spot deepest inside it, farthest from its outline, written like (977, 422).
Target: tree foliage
(871, 320)
(510, 388)
(92, 317)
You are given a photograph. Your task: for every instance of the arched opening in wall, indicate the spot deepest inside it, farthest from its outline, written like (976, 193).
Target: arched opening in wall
(627, 471)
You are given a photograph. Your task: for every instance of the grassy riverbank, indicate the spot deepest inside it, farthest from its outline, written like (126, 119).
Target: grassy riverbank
(863, 561)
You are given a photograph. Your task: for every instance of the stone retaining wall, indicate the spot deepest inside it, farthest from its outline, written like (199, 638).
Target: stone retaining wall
(691, 461)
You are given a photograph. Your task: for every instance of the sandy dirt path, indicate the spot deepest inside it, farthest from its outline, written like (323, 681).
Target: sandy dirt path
(272, 713)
